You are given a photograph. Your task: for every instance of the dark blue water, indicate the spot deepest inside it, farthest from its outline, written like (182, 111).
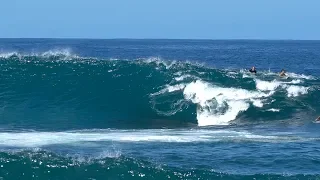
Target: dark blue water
(158, 109)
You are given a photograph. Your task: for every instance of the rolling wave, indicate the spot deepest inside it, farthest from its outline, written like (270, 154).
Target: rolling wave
(58, 87)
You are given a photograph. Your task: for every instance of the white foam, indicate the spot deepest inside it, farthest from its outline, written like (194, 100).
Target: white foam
(246, 76)
(9, 54)
(181, 78)
(219, 105)
(299, 76)
(41, 139)
(257, 103)
(295, 81)
(274, 110)
(267, 86)
(175, 87)
(206, 117)
(159, 61)
(231, 74)
(170, 88)
(62, 52)
(294, 91)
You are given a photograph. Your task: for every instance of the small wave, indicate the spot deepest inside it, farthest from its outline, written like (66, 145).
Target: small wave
(62, 54)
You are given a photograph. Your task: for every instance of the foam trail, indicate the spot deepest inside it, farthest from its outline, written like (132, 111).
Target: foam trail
(40, 139)
(300, 76)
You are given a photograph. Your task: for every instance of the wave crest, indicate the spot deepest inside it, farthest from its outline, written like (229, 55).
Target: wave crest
(58, 54)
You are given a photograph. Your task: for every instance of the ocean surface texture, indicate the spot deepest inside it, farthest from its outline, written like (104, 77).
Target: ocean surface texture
(159, 109)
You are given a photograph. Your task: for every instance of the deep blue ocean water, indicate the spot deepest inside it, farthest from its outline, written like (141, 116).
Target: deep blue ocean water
(159, 109)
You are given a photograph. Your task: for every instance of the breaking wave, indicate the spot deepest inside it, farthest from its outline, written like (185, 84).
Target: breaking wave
(58, 86)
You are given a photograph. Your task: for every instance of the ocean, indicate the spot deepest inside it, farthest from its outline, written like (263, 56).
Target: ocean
(159, 109)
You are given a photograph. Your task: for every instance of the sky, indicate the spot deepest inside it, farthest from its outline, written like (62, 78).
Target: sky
(168, 19)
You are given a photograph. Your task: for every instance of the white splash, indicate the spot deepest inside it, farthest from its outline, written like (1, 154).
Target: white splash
(294, 91)
(66, 53)
(218, 106)
(9, 54)
(267, 86)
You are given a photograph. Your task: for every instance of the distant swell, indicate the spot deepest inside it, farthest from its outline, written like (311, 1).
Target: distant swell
(41, 89)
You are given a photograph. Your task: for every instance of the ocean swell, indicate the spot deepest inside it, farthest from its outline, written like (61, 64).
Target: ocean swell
(58, 86)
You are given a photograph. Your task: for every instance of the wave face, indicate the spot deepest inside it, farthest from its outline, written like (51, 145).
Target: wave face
(59, 90)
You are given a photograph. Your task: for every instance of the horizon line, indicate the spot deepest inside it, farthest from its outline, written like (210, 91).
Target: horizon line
(203, 39)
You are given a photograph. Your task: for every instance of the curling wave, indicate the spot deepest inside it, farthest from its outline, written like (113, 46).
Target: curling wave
(62, 88)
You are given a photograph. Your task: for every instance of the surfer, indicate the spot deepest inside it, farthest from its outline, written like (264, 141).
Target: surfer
(318, 119)
(253, 70)
(282, 73)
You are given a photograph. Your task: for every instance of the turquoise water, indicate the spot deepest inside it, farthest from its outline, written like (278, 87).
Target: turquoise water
(158, 109)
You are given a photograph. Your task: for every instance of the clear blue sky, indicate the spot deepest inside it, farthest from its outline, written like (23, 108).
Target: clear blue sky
(191, 19)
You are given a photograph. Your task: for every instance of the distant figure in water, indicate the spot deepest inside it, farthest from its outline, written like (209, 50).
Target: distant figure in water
(318, 119)
(253, 70)
(282, 73)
